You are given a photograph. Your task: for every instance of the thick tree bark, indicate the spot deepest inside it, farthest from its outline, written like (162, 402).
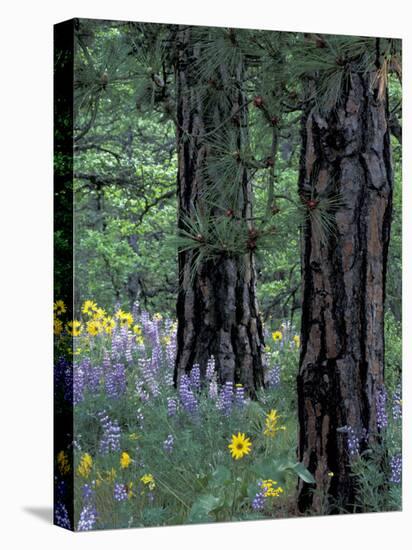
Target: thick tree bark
(217, 309)
(346, 152)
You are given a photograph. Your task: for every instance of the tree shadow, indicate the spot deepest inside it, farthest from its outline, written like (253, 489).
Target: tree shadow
(44, 513)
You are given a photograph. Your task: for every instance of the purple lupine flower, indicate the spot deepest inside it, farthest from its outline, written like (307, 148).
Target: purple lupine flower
(61, 516)
(88, 517)
(239, 395)
(186, 395)
(93, 375)
(353, 441)
(79, 383)
(168, 443)
(195, 377)
(119, 492)
(171, 406)
(110, 440)
(171, 353)
(396, 468)
(87, 492)
(274, 376)
(116, 344)
(225, 401)
(168, 377)
(135, 310)
(381, 416)
(210, 368)
(258, 503)
(61, 488)
(115, 382)
(213, 390)
(397, 404)
(148, 375)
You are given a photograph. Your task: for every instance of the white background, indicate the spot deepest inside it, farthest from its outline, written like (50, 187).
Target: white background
(26, 271)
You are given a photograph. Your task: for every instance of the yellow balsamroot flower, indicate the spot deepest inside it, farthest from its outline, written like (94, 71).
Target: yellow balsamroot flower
(271, 424)
(296, 339)
(85, 465)
(140, 341)
(108, 325)
(137, 330)
(269, 489)
(125, 460)
(165, 340)
(74, 328)
(157, 317)
(57, 326)
(59, 307)
(89, 307)
(148, 480)
(277, 336)
(126, 319)
(63, 463)
(240, 446)
(94, 328)
(99, 314)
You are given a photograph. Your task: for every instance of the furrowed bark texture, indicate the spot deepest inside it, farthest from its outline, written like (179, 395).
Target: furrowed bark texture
(342, 355)
(217, 309)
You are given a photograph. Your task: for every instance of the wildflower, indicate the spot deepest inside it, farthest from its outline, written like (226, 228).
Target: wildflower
(57, 326)
(74, 328)
(258, 503)
(89, 307)
(168, 443)
(59, 307)
(99, 314)
(186, 395)
(108, 324)
(85, 465)
(210, 368)
(88, 492)
(226, 398)
(148, 480)
(271, 424)
(352, 440)
(277, 335)
(296, 340)
(195, 377)
(171, 406)
(110, 440)
(165, 340)
(269, 489)
(240, 446)
(137, 330)
(120, 492)
(125, 460)
(274, 376)
(133, 436)
(331, 474)
(94, 328)
(396, 469)
(157, 317)
(61, 516)
(63, 463)
(381, 416)
(88, 517)
(139, 341)
(397, 404)
(239, 395)
(126, 319)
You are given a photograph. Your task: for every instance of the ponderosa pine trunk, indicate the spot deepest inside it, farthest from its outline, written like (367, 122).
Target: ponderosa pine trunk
(346, 153)
(217, 309)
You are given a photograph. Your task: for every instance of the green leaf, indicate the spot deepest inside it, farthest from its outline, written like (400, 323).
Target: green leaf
(221, 476)
(303, 472)
(202, 507)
